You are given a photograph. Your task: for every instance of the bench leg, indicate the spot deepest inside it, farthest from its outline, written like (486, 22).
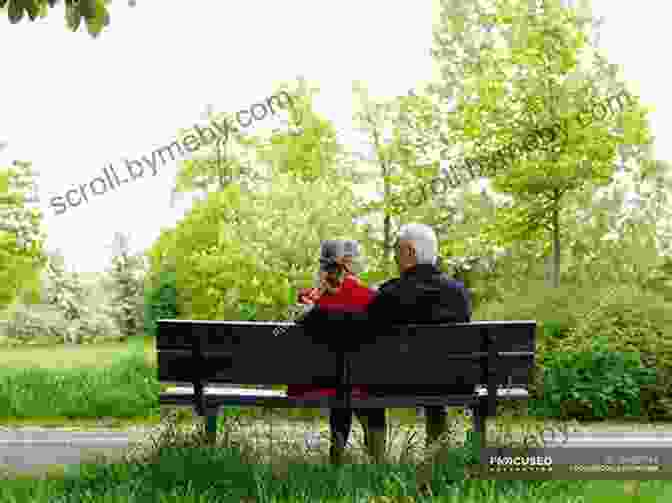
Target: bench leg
(478, 417)
(211, 427)
(337, 449)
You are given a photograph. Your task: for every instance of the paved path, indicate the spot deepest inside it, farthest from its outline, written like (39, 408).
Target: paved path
(32, 451)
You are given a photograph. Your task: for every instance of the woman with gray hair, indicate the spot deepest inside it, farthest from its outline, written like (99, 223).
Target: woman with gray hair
(339, 289)
(340, 260)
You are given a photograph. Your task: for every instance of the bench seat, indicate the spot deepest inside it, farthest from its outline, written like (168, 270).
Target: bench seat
(217, 397)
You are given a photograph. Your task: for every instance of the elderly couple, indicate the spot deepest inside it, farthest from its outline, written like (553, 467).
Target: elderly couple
(422, 294)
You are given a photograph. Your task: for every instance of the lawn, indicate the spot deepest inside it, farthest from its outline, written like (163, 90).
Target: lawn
(77, 384)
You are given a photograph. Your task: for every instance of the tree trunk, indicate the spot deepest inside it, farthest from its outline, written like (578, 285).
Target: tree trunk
(387, 221)
(388, 240)
(556, 247)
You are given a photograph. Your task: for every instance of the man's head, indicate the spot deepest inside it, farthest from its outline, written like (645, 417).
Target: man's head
(416, 244)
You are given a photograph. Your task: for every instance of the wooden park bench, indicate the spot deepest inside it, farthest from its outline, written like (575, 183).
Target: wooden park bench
(490, 355)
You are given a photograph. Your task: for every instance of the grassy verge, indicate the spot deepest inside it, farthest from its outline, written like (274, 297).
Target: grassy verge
(180, 466)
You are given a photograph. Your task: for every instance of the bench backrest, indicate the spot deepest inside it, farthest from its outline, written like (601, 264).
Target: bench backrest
(249, 353)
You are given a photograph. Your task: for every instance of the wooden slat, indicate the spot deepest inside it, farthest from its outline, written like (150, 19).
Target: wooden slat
(225, 335)
(296, 367)
(178, 365)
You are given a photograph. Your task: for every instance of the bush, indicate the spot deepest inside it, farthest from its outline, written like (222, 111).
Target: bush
(629, 317)
(33, 325)
(125, 284)
(161, 301)
(563, 305)
(633, 319)
(592, 384)
(43, 324)
(94, 327)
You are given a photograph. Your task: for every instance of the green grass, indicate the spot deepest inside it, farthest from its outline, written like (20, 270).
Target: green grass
(110, 380)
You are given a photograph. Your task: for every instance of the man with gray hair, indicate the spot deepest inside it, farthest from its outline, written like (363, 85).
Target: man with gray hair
(421, 295)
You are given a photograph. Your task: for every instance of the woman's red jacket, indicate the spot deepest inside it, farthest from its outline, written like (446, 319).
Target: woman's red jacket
(352, 296)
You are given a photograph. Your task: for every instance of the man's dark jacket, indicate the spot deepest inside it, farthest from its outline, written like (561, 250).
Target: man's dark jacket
(422, 295)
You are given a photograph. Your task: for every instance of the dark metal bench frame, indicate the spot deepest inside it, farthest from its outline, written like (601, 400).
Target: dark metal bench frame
(195, 349)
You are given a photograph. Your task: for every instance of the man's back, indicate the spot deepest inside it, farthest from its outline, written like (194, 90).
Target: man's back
(422, 295)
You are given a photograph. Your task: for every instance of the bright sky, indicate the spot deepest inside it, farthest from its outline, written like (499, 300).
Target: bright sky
(74, 105)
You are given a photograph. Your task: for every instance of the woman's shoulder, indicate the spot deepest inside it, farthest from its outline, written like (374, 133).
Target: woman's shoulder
(355, 281)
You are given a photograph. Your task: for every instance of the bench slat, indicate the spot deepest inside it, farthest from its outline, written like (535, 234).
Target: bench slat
(228, 335)
(220, 368)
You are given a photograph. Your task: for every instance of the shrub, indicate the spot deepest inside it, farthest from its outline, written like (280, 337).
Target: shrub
(592, 384)
(42, 324)
(69, 312)
(33, 325)
(633, 319)
(96, 326)
(125, 282)
(629, 317)
(161, 301)
(561, 307)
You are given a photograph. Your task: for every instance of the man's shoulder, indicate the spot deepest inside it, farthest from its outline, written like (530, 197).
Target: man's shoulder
(389, 285)
(451, 282)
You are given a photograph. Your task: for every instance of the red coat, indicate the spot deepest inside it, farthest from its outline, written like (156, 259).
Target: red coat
(354, 296)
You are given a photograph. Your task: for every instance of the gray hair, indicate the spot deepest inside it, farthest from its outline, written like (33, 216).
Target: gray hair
(424, 241)
(335, 248)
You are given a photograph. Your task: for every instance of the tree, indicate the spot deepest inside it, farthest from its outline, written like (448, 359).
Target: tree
(309, 148)
(238, 158)
(161, 301)
(22, 239)
(94, 12)
(239, 248)
(88, 319)
(65, 289)
(126, 276)
(222, 162)
(512, 73)
(376, 121)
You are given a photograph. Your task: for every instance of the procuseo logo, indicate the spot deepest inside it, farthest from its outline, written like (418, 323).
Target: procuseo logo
(191, 143)
(489, 165)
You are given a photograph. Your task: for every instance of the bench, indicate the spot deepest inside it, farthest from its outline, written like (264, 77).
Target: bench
(198, 355)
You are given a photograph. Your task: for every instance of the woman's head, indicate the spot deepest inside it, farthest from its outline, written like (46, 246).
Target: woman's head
(337, 259)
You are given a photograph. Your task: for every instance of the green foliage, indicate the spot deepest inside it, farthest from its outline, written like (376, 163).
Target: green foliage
(161, 301)
(68, 312)
(241, 248)
(526, 103)
(126, 277)
(34, 325)
(248, 312)
(592, 384)
(218, 163)
(22, 254)
(94, 12)
(89, 319)
(628, 317)
(395, 166)
(634, 319)
(371, 278)
(307, 156)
